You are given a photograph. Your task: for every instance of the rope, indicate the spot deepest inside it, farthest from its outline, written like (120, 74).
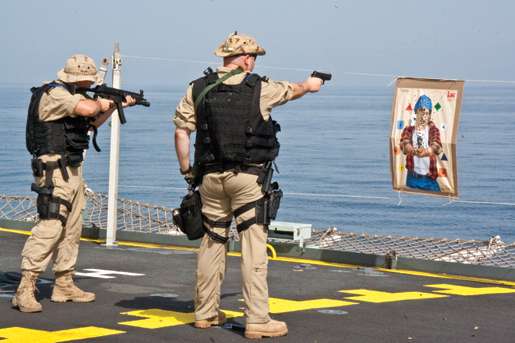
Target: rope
(485, 202)
(165, 59)
(492, 81)
(336, 195)
(450, 200)
(394, 77)
(169, 59)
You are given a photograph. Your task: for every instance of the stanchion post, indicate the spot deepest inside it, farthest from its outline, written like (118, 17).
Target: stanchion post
(114, 157)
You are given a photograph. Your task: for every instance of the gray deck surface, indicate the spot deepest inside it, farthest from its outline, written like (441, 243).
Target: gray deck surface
(168, 280)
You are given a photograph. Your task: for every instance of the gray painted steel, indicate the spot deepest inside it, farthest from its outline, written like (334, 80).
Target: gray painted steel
(293, 250)
(168, 284)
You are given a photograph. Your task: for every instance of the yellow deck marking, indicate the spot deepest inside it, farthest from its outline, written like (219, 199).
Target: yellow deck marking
(20, 232)
(19, 334)
(28, 233)
(278, 305)
(371, 296)
(300, 260)
(468, 291)
(156, 318)
(448, 276)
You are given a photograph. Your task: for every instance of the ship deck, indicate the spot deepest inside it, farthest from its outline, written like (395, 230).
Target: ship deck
(145, 291)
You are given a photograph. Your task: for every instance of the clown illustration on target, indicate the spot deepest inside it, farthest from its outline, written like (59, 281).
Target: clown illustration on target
(425, 118)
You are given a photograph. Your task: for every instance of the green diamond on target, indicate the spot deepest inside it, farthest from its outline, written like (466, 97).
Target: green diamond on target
(438, 106)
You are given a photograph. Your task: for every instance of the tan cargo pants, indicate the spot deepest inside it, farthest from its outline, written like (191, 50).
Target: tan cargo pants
(49, 239)
(221, 194)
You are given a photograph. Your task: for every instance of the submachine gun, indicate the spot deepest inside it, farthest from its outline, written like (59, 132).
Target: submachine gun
(117, 96)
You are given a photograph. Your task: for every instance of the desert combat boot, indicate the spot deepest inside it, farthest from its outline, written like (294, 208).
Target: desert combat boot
(273, 328)
(217, 320)
(24, 299)
(65, 290)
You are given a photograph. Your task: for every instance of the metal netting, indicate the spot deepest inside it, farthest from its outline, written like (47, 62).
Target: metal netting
(136, 216)
(21, 208)
(133, 215)
(493, 252)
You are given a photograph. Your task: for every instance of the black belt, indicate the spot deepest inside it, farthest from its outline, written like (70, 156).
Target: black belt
(237, 167)
(39, 166)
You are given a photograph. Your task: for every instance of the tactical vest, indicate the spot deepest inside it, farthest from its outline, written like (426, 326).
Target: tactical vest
(230, 128)
(66, 136)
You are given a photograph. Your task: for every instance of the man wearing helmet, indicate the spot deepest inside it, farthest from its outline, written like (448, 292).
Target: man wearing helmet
(236, 137)
(58, 122)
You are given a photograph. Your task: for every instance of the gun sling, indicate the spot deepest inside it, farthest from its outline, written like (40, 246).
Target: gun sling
(202, 94)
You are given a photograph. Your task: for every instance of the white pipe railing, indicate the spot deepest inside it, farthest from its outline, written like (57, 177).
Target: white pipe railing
(114, 157)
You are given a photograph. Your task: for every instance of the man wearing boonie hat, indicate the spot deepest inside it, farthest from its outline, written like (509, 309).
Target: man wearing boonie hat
(58, 122)
(235, 144)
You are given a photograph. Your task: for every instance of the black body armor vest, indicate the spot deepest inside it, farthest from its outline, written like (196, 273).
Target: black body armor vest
(67, 136)
(231, 131)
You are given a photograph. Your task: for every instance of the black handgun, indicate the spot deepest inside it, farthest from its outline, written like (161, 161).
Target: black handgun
(265, 179)
(118, 96)
(324, 76)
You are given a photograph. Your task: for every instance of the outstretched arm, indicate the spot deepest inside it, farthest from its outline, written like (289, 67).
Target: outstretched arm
(310, 85)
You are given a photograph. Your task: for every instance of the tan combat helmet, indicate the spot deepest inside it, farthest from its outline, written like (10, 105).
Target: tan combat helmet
(238, 44)
(79, 68)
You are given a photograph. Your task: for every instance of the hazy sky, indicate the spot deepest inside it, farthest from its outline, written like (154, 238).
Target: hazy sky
(438, 38)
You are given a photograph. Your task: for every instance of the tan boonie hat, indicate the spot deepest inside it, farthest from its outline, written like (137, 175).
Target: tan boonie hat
(237, 44)
(79, 68)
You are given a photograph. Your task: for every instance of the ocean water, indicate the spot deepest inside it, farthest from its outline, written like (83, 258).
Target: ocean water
(334, 162)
